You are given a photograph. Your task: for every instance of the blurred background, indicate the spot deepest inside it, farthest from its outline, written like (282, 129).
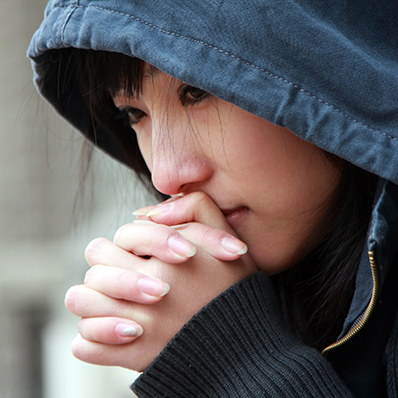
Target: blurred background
(46, 220)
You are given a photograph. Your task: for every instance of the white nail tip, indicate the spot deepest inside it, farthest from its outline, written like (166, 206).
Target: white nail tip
(243, 251)
(130, 331)
(139, 213)
(165, 290)
(192, 252)
(162, 208)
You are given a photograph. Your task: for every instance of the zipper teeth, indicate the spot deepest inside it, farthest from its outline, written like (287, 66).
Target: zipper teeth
(360, 324)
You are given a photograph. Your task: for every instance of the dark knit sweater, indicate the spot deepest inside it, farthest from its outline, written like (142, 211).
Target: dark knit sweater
(240, 346)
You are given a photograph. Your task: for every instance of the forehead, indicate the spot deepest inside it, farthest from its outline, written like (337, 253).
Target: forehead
(150, 76)
(151, 71)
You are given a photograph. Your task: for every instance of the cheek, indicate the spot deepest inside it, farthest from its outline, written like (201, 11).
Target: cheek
(296, 172)
(313, 179)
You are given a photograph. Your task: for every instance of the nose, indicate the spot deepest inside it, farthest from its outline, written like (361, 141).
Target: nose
(179, 166)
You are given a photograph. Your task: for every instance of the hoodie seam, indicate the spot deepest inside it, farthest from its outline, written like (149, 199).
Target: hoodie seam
(152, 26)
(67, 20)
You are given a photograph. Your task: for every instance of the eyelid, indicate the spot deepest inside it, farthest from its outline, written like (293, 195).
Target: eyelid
(125, 113)
(184, 90)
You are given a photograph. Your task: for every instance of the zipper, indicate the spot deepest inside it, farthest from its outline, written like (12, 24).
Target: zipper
(359, 324)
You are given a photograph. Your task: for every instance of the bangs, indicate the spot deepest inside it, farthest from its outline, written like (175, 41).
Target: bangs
(106, 73)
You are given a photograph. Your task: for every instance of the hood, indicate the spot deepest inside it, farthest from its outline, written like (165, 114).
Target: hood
(328, 71)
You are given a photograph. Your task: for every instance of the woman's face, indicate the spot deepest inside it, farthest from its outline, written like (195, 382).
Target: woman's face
(272, 186)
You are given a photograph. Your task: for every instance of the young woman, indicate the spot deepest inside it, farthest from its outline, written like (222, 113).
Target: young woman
(270, 130)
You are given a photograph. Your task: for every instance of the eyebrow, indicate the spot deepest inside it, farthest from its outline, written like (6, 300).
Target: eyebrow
(151, 72)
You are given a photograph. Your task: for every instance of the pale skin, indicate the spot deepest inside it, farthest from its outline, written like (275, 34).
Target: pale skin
(244, 183)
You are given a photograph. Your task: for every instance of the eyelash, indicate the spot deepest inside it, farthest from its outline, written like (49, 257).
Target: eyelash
(125, 116)
(183, 92)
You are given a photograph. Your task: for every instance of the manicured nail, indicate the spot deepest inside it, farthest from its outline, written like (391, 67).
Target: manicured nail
(181, 246)
(143, 222)
(139, 212)
(233, 245)
(173, 198)
(162, 208)
(128, 330)
(153, 287)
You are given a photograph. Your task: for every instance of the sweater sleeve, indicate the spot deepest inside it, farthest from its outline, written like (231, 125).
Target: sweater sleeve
(239, 346)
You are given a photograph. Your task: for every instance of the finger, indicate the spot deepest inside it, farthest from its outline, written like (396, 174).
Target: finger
(129, 356)
(210, 229)
(103, 251)
(88, 303)
(194, 207)
(146, 238)
(163, 243)
(100, 354)
(109, 330)
(124, 284)
(216, 242)
(143, 211)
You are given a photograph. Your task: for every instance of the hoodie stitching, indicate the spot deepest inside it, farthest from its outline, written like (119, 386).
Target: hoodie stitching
(232, 56)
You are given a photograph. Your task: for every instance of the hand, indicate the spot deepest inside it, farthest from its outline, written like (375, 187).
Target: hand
(110, 300)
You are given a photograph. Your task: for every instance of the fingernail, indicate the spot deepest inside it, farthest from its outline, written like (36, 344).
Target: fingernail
(181, 246)
(172, 199)
(162, 208)
(233, 245)
(125, 330)
(139, 212)
(153, 287)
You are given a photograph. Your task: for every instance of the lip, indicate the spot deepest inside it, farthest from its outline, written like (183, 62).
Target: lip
(235, 216)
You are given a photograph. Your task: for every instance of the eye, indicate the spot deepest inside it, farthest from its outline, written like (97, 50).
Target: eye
(190, 95)
(131, 116)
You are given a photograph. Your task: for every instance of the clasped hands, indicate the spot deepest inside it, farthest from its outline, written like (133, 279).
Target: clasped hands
(158, 272)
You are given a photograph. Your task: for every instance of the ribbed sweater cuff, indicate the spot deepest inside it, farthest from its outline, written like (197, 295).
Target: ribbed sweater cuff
(239, 346)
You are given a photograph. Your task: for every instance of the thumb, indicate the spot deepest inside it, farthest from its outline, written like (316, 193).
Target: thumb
(194, 207)
(197, 217)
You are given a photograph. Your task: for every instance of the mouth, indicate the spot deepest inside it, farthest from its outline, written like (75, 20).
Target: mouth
(236, 215)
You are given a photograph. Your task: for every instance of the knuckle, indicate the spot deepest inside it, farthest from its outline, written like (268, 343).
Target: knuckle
(77, 348)
(120, 232)
(84, 328)
(198, 197)
(119, 282)
(94, 249)
(80, 326)
(201, 204)
(207, 234)
(89, 329)
(71, 298)
(89, 274)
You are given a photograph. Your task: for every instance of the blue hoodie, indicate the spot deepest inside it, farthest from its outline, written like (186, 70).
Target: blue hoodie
(326, 70)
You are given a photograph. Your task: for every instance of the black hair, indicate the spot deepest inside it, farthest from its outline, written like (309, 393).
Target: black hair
(316, 292)
(91, 78)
